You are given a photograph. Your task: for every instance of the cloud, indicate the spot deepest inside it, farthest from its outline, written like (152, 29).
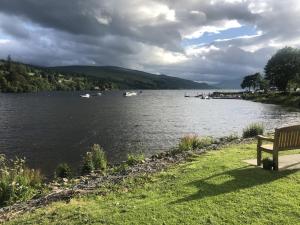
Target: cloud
(149, 35)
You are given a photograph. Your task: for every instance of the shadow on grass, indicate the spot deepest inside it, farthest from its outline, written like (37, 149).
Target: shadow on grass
(232, 181)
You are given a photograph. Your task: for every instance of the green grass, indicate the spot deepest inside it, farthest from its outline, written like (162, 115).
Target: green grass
(214, 188)
(133, 159)
(193, 142)
(253, 130)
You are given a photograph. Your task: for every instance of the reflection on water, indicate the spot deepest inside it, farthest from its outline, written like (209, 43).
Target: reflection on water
(49, 128)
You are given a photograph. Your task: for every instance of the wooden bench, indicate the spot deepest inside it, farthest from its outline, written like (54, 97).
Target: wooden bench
(285, 138)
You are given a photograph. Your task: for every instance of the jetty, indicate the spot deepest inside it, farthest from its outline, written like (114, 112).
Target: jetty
(216, 95)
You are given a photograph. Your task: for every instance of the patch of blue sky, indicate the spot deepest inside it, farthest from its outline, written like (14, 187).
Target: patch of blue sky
(209, 37)
(4, 36)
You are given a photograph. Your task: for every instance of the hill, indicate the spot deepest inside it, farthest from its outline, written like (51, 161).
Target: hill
(19, 77)
(132, 79)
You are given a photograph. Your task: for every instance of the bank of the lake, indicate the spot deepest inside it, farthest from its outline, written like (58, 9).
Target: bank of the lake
(284, 99)
(214, 187)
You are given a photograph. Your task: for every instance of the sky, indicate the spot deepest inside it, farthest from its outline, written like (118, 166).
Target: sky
(201, 40)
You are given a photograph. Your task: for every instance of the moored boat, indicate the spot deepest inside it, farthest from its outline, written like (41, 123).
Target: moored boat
(129, 93)
(85, 96)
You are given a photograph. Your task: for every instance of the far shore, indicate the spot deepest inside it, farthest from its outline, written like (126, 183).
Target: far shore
(279, 98)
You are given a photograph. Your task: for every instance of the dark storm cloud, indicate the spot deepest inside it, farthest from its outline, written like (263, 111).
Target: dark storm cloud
(68, 16)
(148, 35)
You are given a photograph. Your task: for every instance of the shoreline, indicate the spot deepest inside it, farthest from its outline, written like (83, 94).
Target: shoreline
(284, 99)
(65, 190)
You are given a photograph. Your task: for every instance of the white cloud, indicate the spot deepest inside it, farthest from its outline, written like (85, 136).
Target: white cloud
(4, 41)
(259, 7)
(159, 56)
(222, 25)
(259, 33)
(196, 50)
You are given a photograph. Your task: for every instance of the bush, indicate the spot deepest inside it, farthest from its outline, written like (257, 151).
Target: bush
(98, 157)
(253, 130)
(63, 170)
(88, 165)
(133, 159)
(17, 182)
(193, 142)
(94, 160)
(120, 168)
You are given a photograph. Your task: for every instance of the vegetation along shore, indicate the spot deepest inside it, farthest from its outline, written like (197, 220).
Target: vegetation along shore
(200, 176)
(280, 83)
(279, 98)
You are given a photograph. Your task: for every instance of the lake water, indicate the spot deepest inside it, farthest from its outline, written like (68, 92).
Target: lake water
(49, 128)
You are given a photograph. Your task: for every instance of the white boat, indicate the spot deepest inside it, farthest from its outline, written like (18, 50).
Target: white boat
(99, 93)
(85, 96)
(129, 93)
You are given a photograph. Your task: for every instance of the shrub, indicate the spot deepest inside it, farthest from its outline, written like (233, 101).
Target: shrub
(94, 160)
(193, 142)
(17, 181)
(253, 130)
(63, 170)
(120, 168)
(88, 165)
(133, 159)
(98, 157)
(268, 164)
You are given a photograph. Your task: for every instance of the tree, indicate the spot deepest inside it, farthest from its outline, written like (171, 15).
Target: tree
(251, 81)
(9, 63)
(264, 85)
(283, 67)
(295, 82)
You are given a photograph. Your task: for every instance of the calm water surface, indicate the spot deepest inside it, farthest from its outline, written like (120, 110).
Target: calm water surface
(49, 128)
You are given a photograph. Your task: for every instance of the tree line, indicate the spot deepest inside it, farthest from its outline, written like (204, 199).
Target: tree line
(282, 72)
(17, 77)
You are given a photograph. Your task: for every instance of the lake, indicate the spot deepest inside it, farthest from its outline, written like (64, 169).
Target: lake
(54, 127)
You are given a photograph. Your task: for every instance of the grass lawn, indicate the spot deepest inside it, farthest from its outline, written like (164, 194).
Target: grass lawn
(214, 188)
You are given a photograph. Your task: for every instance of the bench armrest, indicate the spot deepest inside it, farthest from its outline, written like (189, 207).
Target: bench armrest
(263, 138)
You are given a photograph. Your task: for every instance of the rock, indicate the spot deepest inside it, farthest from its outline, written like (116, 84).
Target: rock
(65, 180)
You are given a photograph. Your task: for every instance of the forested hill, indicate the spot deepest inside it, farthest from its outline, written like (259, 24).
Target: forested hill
(19, 77)
(132, 79)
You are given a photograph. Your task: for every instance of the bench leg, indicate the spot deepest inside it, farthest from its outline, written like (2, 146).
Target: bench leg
(258, 156)
(275, 160)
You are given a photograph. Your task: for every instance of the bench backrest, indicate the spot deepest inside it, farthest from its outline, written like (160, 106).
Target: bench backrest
(287, 138)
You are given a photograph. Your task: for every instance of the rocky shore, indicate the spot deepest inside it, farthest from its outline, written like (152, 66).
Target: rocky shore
(67, 189)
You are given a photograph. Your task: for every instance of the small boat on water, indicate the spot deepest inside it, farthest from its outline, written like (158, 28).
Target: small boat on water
(97, 94)
(199, 96)
(85, 96)
(129, 93)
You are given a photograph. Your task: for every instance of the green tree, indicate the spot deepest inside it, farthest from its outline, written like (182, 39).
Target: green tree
(251, 81)
(264, 85)
(8, 63)
(283, 67)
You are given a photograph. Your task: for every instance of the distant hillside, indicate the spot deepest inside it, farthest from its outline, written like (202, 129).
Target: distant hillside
(132, 79)
(18, 77)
